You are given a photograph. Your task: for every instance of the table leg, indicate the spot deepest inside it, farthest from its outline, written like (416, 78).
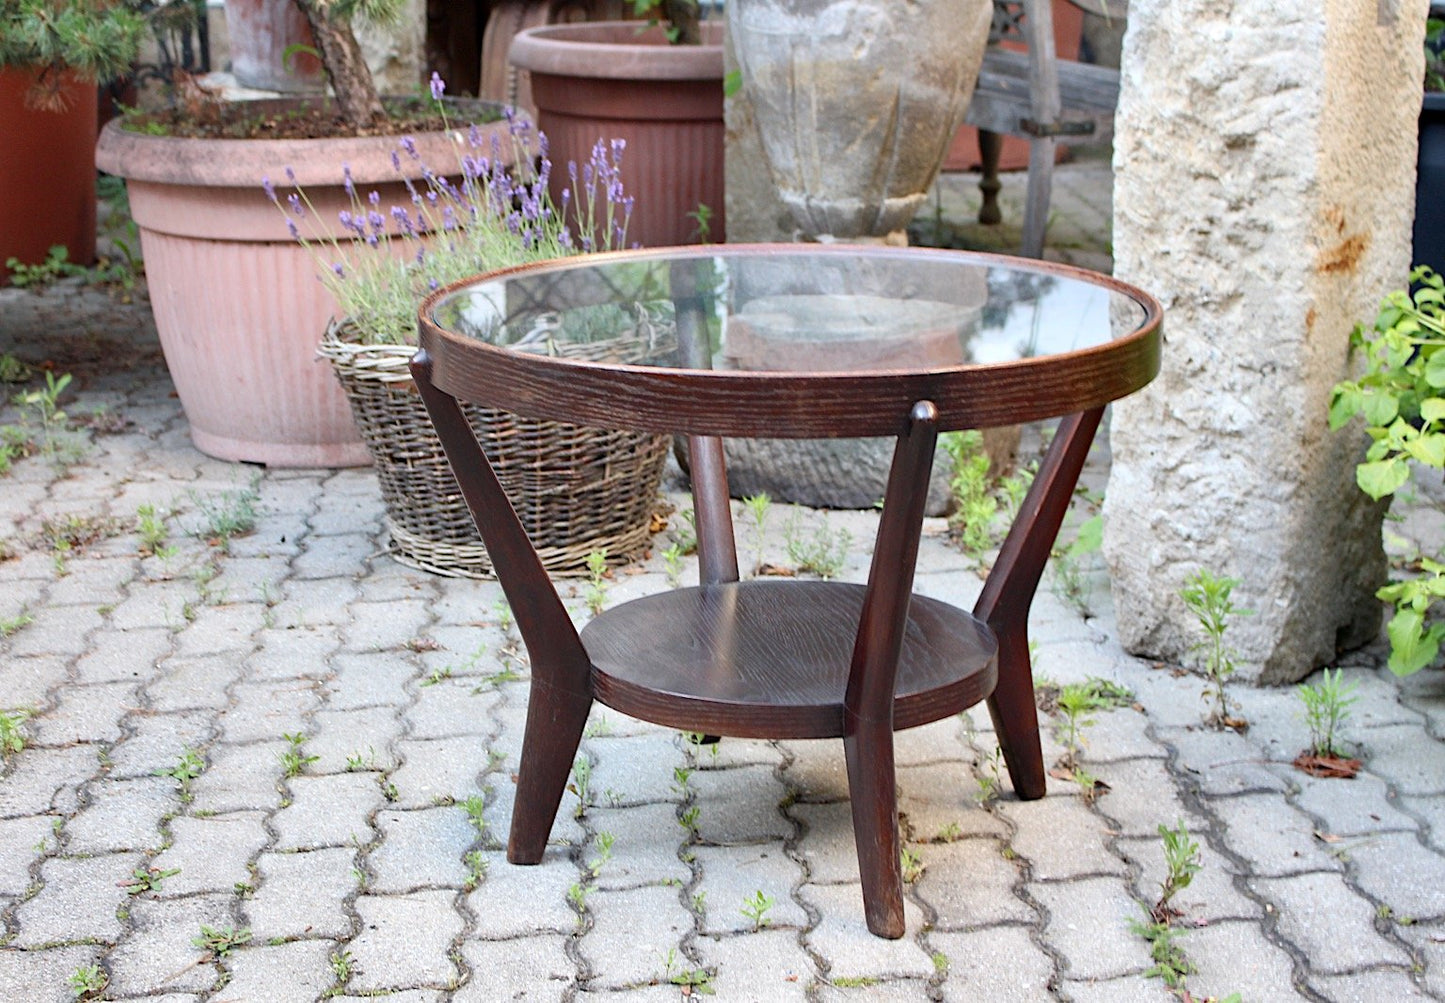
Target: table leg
(561, 692)
(1009, 591)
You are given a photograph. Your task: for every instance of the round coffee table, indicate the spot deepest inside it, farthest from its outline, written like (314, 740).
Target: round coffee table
(790, 342)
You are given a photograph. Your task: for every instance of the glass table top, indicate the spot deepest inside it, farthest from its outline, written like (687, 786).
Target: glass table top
(772, 309)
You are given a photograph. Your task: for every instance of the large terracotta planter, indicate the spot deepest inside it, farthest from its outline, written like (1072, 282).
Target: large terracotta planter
(47, 172)
(237, 303)
(856, 102)
(619, 79)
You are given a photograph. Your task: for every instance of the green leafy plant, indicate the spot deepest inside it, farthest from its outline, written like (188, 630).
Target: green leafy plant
(88, 981)
(220, 942)
(475, 807)
(44, 402)
(1434, 61)
(823, 554)
(979, 498)
(11, 625)
(1075, 702)
(151, 526)
(96, 40)
(912, 864)
(1401, 396)
(341, 966)
(227, 515)
(12, 734)
(693, 981)
(756, 907)
(1170, 962)
(1208, 597)
(1181, 863)
(1068, 562)
(581, 784)
(148, 879)
(1327, 708)
(293, 760)
(476, 868)
(596, 596)
(189, 766)
(757, 506)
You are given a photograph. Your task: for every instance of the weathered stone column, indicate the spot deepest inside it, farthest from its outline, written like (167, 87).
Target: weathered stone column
(1264, 188)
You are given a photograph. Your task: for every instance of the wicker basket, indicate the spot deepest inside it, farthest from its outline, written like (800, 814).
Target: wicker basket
(575, 489)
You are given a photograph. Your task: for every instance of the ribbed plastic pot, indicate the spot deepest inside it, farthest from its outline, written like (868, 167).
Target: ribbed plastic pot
(237, 302)
(47, 173)
(621, 80)
(1430, 185)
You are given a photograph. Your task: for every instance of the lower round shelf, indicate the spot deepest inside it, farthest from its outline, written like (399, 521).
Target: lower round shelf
(769, 659)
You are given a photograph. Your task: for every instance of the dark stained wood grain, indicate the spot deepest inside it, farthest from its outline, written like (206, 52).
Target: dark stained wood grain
(770, 659)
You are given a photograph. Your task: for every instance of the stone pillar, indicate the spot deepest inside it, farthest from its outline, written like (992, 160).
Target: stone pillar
(1264, 188)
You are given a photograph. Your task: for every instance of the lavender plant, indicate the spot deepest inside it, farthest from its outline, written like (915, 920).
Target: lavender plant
(500, 214)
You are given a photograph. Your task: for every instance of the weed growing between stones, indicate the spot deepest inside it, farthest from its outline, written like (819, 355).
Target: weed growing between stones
(1068, 564)
(692, 981)
(219, 942)
(755, 908)
(189, 766)
(1070, 705)
(293, 760)
(148, 879)
(14, 624)
(823, 554)
(981, 502)
(757, 506)
(12, 734)
(1181, 862)
(88, 982)
(227, 515)
(1207, 596)
(1326, 709)
(596, 595)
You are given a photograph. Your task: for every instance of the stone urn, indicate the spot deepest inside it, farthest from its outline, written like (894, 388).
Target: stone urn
(856, 102)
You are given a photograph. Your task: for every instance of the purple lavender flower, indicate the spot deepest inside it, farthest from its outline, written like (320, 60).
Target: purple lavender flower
(374, 198)
(294, 201)
(449, 218)
(269, 189)
(377, 221)
(290, 176)
(395, 160)
(403, 220)
(346, 180)
(292, 229)
(409, 145)
(340, 272)
(438, 86)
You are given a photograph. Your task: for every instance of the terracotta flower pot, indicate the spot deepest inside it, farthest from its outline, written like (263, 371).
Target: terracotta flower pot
(856, 103)
(262, 35)
(237, 303)
(619, 79)
(47, 172)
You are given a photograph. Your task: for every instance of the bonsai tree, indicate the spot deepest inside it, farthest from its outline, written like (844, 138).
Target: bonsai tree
(341, 57)
(94, 40)
(680, 16)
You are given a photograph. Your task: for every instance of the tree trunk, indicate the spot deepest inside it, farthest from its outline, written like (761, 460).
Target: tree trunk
(345, 67)
(683, 16)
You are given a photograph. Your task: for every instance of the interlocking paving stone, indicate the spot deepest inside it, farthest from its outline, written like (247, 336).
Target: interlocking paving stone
(18, 840)
(1149, 798)
(1394, 867)
(78, 900)
(827, 845)
(941, 741)
(739, 805)
(159, 955)
(940, 801)
(1211, 894)
(635, 770)
(302, 894)
(1001, 964)
(1320, 915)
(970, 883)
(156, 742)
(280, 973)
(374, 679)
(842, 939)
(420, 848)
(526, 968)
(768, 965)
(733, 875)
(1124, 989)
(43, 780)
(1088, 925)
(1351, 808)
(238, 777)
(42, 976)
(332, 556)
(195, 681)
(1396, 755)
(517, 901)
(384, 626)
(642, 835)
(440, 768)
(122, 815)
(28, 681)
(366, 732)
(1059, 836)
(1274, 840)
(313, 603)
(1232, 956)
(55, 630)
(817, 769)
(329, 810)
(85, 714)
(131, 654)
(632, 933)
(211, 853)
(218, 630)
(1368, 987)
(451, 708)
(158, 605)
(293, 653)
(267, 710)
(425, 921)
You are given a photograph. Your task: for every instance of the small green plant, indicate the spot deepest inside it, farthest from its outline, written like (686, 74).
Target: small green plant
(189, 765)
(702, 216)
(148, 879)
(756, 908)
(1207, 596)
(581, 784)
(688, 819)
(356, 762)
(1181, 863)
(341, 966)
(220, 942)
(693, 981)
(758, 506)
(1327, 708)
(476, 868)
(979, 499)
(475, 807)
(13, 370)
(684, 531)
(912, 864)
(294, 760)
(1075, 702)
(227, 515)
(45, 404)
(14, 623)
(12, 734)
(1401, 396)
(151, 526)
(823, 554)
(672, 560)
(604, 854)
(57, 265)
(596, 596)
(88, 981)
(1068, 562)
(1170, 962)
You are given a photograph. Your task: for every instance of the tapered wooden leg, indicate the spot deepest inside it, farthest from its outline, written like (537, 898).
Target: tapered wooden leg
(555, 719)
(1015, 717)
(990, 147)
(874, 796)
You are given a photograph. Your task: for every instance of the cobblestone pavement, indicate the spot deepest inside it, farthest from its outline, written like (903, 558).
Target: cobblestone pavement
(299, 753)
